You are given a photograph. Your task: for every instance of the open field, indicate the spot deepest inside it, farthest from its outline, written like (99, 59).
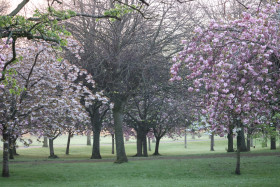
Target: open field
(194, 166)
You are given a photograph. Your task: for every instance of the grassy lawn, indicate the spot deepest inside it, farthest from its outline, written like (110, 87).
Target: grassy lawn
(256, 171)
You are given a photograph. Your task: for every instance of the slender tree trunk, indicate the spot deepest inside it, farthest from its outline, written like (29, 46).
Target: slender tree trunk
(113, 143)
(88, 138)
(212, 142)
(185, 138)
(248, 141)
(251, 141)
(118, 122)
(68, 142)
(230, 141)
(239, 137)
(273, 138)
(14, 147)
(241, 140)
(193, 135)
(264, 142)
(156, 153)
(96, 127)
(11, 153)
(149, 143)
(145, 147)
(52, 155)
(5, 169)
(45, 142)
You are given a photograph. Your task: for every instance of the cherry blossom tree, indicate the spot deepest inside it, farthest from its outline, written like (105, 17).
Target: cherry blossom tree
(237, 63)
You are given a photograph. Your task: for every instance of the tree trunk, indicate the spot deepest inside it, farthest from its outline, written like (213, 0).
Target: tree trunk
(5, 169)
(88, 138)
(11, 153)
(149, 143)
(264, 142)
(273, 138)
(185, 138)
(251, 141)
(212, 142)
(145, 147)
(113, 143)
(14, 140)
(193, 135)
(248, 142)
(45, 142)
(241, 141)
(139, 144)
(96, 127)
(52, 155)
(68, 142)
(156, 153)
(118, 122)
(230, 141)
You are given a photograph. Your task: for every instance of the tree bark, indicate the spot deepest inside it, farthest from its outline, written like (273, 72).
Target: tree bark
(185, 138)
(241, 141)
(139, 144)
(118, 122)
(273, 138)
(11, 153)
(212, 143)
(264, 142)
(230, 141)
(45, 142)
(248, 141)
(68, 142)
(88, 138)
(145, 147)
(96, 128)
(156, 153)
(113, 143)
(149, 143)
(5, 169)
(52, 155)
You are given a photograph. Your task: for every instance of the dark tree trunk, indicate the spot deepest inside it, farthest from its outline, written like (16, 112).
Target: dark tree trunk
(248, 142)
(45, 142)
(15, 146)
(68, 142)
(241, 141)
(139, 144)
(185, 138)
(118, 122)
(113, 143)
(5, 169)
(156, 153)
(52, 155)
(96, 127)
(273, 138)
(212, 143)
(88, 138)
(149, 143)
(230, 141)
(11, 152)
(145, 147)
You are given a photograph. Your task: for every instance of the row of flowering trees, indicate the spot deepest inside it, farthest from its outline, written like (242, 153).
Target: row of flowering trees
(235, 64)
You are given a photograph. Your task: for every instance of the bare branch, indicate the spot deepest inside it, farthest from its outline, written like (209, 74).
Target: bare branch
(19, 7)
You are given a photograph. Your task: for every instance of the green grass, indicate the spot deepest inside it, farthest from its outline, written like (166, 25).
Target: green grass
(256, 171)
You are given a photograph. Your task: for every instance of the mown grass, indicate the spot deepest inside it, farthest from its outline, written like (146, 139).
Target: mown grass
(256, 171)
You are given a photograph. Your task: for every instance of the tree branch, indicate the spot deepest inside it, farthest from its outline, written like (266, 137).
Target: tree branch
(19, 7)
